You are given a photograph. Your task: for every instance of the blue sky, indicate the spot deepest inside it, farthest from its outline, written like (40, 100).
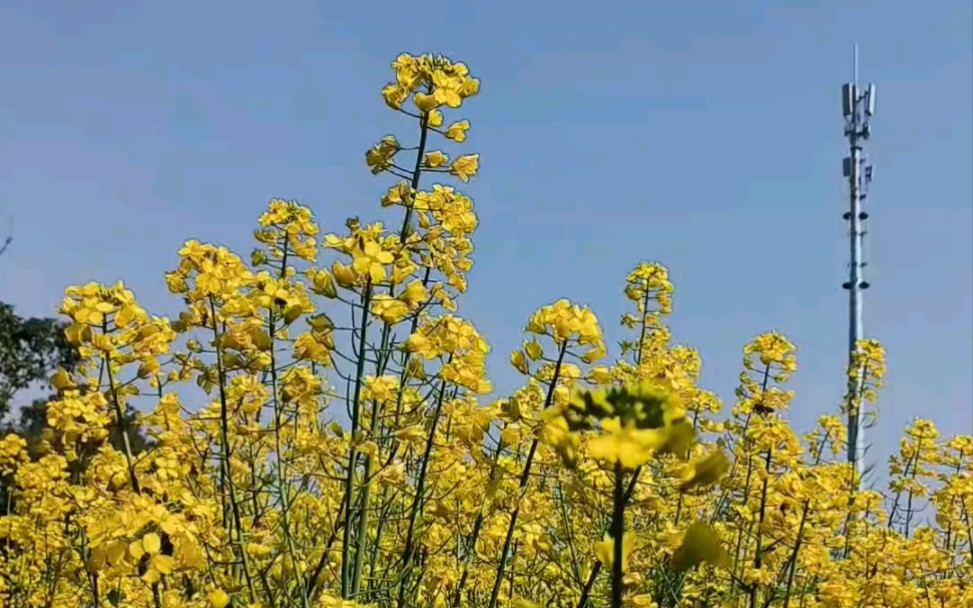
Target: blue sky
(705, 135)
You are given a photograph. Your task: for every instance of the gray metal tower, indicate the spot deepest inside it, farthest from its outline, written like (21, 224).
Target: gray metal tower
(858, 107)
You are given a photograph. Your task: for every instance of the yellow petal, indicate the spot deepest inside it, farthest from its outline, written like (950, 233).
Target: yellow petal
(151, 543)
(707, 472)
(114, 553)
(218, 598)
(62, 380)
(700, 544)
(424, 102)
(519, 361)
(163, 564)
(135, 550)
(604, 551)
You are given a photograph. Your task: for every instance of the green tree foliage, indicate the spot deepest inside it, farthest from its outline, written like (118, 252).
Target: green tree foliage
(30, 350)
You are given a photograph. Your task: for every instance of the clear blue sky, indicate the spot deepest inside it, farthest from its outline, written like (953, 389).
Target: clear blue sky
(706, 135)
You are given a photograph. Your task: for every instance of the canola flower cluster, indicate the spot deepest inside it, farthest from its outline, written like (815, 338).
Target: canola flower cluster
(338, 449)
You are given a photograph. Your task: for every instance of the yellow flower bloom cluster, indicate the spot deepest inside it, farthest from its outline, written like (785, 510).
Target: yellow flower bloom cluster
(321, 436)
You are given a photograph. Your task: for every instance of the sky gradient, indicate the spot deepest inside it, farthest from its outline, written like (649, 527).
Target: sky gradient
(705, 135)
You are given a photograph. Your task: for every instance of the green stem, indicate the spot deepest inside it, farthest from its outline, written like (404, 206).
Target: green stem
(758, 555)
(596, 568)
(524, 478)
(122, 424)
(416, 173)
(746, 486)
(792, 562)
(352, 452)
(908, 505)
(225, 460)
(282, 485)
(969, 531)
(475, 535)
(362, 534)
(618, 534)
(376, 546)
(417, 500)
(312, 580)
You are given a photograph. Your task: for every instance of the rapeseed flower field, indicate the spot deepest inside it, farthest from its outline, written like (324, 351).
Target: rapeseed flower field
(321, 437)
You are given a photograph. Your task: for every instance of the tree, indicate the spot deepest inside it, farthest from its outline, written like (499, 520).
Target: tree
(30, 350)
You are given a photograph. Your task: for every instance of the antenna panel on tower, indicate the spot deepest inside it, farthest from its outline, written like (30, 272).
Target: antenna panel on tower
(847, 99)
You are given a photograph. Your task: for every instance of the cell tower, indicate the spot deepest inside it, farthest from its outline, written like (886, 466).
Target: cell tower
(858, 107)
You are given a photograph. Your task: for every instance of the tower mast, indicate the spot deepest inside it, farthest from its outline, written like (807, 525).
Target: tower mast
(858, 107)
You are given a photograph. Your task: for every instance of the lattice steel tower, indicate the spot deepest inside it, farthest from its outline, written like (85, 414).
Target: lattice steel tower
(858, 107)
